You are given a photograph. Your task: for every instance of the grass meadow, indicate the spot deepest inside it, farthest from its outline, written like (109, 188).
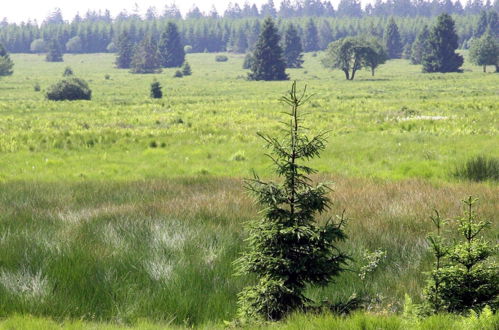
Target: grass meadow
(126, 211)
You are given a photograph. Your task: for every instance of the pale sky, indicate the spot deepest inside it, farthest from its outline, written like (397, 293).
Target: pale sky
(22, 10)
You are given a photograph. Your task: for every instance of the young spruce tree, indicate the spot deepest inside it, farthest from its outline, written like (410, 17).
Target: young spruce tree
(442, 44)
(311, 38)
(145, 59)
(393, 43)
(292, 48)
(420, 46)
(464, 277)
(171, 49)
(268, 61)
(288, 249)
(6, 64)
(124, 52)
(54, 52)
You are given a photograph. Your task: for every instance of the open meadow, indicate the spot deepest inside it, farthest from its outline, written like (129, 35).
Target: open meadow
(125, 209)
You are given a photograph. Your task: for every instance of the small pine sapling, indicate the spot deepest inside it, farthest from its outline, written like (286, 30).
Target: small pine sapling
(186, 69)
(68, 72)
(288, 250)
(439, 250)
(156, 92)
(464, 277)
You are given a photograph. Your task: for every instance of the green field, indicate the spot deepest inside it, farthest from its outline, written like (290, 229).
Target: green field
(399, 124)
(125, 209)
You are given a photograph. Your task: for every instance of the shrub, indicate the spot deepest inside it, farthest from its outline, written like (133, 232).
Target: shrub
(38, 46)
(178, 74)
(107, 76)
(156, 92)
(67, 72)
(288, 250)
(37, 87)
(479, 168)
(69, 89)
(221, 58)
(463, 277)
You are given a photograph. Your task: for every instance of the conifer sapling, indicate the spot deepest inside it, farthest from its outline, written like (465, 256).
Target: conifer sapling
(288, 249)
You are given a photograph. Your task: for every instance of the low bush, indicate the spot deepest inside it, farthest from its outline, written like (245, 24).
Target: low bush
(178, 74)
(221, 58)
(69, 89)
(156, 92)
(479, 168)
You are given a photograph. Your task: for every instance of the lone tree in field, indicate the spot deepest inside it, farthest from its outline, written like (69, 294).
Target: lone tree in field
(442, 45)
(171, 50)
(124, 51)
(145, 59)
(420, 46)
(485, 51)
(54, 52)
(6, 63)
(464, 276)
(186, 69)
(292, 48)
(351, 54)
(287, 249)
(393, 42)
(156, 92)
(268, 61)
(311, 37)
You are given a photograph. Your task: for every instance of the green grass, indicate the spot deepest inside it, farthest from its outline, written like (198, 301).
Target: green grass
(164, 249)
(125, 209)
(358, 321)
(399, 124)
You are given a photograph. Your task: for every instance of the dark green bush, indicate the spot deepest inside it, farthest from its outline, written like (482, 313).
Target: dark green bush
(221, 58)
(248, 61)
(178, 74)
(479, 168)
(69, 89)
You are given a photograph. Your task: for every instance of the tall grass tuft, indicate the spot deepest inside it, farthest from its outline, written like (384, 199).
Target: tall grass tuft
(479, 168)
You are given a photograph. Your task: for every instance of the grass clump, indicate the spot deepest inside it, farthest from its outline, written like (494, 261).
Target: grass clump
(479, 168)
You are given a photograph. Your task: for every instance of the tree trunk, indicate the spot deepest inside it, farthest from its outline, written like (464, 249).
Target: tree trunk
(353, 74)
(372, 72)
(484, 68)
(347, 74)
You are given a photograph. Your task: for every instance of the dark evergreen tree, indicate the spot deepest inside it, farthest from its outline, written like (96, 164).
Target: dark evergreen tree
(311, 38)
(288, 250)
(393, 42)
(186, 69)
(156, 92)
(420, 46)
(145, 58)
(292, 48)
(124, 51)
(268, 56)
(54, 52)
(171, 49)
(442, 45)
(248, 61)
(6, 63)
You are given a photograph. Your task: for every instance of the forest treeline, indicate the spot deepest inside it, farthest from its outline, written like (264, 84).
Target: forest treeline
(237, 28)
